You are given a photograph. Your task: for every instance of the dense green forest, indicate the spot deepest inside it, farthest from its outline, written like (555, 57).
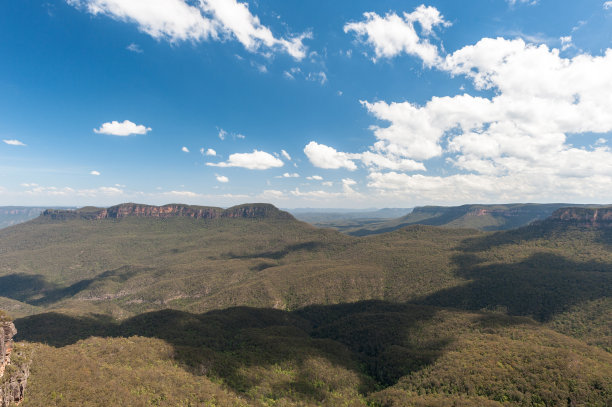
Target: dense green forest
(273, 311)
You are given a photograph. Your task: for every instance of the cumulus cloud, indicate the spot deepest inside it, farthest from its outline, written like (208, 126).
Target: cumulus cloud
(14, 142)
(94, 172)
(315, 178)
(291, 175)
(286, 155)
(178, 20)
(184, 149)
(323, 156)
(125, 128)
(221, 178)
(257, 160)
(209, 152)
(607, 5)
(513, 144)
(327, 157)
(392, 35)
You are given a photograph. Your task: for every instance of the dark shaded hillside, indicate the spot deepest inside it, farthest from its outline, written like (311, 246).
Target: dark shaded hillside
(367, 353)
(482, 217)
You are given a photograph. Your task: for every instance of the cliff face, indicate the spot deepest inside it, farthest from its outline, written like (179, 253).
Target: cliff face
(585, 217)
(7, 331)
(13, 376)
(253, 211)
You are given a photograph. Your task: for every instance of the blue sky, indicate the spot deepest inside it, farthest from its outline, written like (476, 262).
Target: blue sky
(305, 103)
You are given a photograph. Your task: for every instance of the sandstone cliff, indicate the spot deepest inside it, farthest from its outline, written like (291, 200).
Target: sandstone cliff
(253, 211)
(600, 217)
(14, 371)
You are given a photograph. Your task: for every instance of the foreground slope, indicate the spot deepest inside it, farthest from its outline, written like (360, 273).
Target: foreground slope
(368, 353)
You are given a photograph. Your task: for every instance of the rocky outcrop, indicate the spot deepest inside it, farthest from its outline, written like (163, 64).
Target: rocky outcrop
(253, 211)
(14, 367)
(7, 331)
(600, 217)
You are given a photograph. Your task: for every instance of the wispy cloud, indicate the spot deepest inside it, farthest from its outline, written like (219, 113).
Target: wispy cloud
(14, 142)
(134, 48)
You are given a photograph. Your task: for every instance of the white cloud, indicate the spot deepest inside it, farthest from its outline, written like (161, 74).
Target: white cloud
(323, 156)
(184, 149)
(291, 175)
(13, 142)
(94, 172)
(36, 190)
(566, 42)
(221, 178)
(209, 152)
(347, 184)
(181, 194)
(513, 3)
(177, 20)
(286, 155)
(257, 160)
(347, 192)
(125, 128)
(512, 145)
(607, 5)
(222, 134)
(134, 48)
(392, 35)
(315, 178)
(320, 77)
(30, 185)
(327, 183)
(272, 194)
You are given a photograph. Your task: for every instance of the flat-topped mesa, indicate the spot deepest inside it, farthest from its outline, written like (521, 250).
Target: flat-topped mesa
(586, 217)
(252, 211)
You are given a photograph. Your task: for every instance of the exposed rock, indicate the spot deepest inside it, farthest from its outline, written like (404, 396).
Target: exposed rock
(585, 217)
(13, 376)
(167, 211)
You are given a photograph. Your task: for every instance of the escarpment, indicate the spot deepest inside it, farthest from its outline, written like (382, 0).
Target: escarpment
(13, 374)
(584, 217)
(252, 211)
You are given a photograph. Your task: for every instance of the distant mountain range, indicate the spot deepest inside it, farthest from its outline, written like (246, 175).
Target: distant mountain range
(12, 215)
(481, 217)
